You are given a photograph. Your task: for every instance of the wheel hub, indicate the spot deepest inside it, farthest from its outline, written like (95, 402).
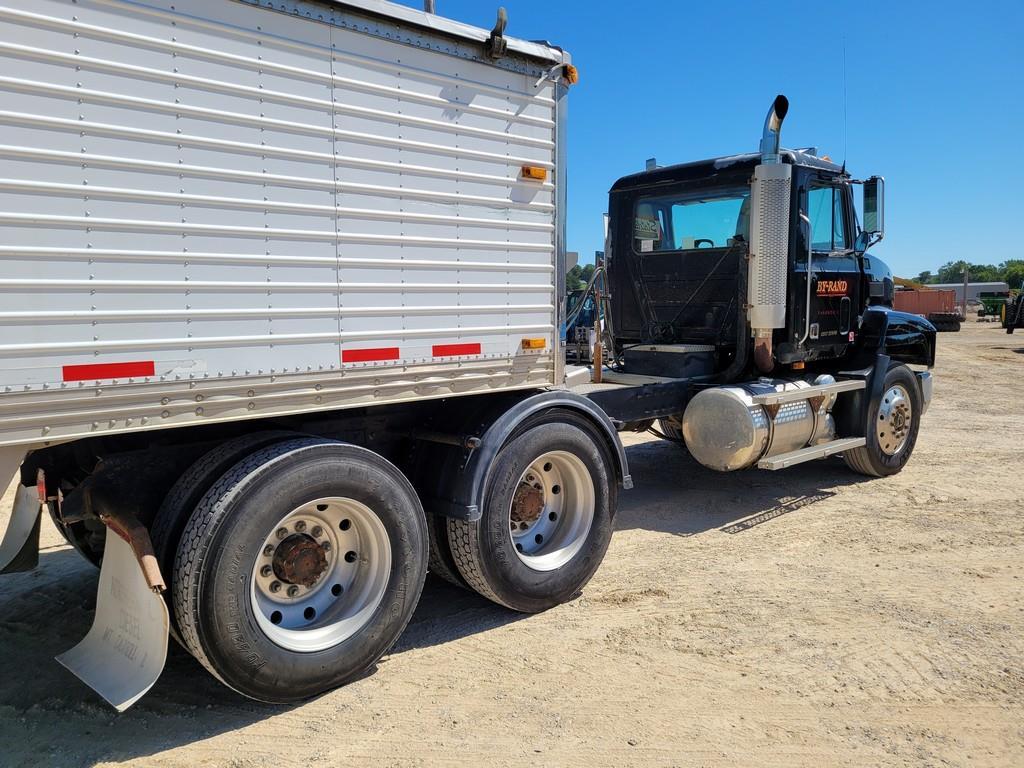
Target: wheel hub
(551, 510)
(527, 504)
(895, 417)
(320, 574)
(299, 559)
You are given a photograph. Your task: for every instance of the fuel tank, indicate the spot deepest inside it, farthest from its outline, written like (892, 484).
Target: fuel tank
(725, 429)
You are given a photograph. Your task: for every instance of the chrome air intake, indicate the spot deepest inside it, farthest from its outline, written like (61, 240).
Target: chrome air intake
(769, 238)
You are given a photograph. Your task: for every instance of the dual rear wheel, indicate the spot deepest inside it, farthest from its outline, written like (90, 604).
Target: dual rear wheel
(299, 568)
(296, 562)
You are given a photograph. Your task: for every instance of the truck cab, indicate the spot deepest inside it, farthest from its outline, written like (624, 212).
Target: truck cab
(741, 299)
(680, 237)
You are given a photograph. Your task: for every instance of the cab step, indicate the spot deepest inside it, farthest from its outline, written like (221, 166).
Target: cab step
(822, 451)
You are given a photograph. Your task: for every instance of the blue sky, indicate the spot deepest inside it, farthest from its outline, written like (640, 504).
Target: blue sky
(935, 95)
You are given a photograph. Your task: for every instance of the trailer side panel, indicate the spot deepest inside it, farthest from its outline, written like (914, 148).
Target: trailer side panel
(215, 210)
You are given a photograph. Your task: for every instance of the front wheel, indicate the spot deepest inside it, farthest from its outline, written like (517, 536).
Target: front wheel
(546, 521)
(892, 426)
(299, 568)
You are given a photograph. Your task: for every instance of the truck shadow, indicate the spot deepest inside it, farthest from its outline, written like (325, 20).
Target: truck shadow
(47, 611)
(674, 494)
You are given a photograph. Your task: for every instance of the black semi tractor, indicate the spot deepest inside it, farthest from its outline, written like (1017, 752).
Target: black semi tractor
(746, 315)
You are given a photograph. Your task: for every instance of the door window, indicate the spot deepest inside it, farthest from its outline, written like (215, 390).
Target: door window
(828, 221)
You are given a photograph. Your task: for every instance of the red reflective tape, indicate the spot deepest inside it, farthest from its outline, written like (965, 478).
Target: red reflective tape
(95, 371)
(454, 350)
(369, 355)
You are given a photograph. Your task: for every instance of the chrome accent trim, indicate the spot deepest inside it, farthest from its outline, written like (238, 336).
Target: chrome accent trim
(772, 127)
(927, 382)
(822, 451)
(810, 266)
(804, 393)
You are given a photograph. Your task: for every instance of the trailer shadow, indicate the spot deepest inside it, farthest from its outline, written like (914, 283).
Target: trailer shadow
(674, 494)
(47, 714)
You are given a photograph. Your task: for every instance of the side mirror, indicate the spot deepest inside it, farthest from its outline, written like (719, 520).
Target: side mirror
(874, 207)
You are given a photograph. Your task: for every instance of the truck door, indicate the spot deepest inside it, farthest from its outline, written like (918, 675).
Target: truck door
(834, 266)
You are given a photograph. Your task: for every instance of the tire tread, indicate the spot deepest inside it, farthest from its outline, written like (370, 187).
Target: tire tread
(198, 534)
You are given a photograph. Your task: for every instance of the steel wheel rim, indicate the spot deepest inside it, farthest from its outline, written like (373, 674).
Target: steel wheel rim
(552, 511)
(351, 583)
(895, 418)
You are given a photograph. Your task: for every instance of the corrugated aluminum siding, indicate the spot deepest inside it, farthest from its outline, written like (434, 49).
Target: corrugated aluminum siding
(224, 211)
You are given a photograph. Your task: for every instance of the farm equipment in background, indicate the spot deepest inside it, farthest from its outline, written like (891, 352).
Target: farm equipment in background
(937, 306)
(1013, 312)
(992, 303)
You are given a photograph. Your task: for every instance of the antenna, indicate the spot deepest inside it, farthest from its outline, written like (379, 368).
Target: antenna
(845, 101)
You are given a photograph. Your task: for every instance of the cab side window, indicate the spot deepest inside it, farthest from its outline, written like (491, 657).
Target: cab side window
(828, 219)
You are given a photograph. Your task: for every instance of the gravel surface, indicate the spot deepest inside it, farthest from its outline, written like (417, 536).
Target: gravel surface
(804, 617)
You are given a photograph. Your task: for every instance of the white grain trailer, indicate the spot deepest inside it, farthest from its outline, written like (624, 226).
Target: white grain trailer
(280, 299)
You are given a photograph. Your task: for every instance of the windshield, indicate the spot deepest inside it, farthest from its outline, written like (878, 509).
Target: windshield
(715, 219)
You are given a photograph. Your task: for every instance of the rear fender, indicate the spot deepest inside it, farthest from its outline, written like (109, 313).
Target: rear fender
(467, 470)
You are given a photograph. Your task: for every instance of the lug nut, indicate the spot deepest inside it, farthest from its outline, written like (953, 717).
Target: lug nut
(293, 590)
(268, 550)
(300, 526)
(266, 570)
(326, 546)
(282, 533)
(317, 532)
(275, 586)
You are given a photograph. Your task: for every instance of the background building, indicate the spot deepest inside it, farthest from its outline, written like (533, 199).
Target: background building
(974, 290)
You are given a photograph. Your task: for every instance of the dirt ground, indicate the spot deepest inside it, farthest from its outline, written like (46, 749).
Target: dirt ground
(805, 617)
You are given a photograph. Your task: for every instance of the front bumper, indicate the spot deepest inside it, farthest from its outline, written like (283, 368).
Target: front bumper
(926, 382)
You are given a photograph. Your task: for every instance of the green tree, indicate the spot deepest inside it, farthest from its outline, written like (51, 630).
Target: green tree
(578, 277)
(952, 272)
(574, 278)
(1013, 272)
(924, 277)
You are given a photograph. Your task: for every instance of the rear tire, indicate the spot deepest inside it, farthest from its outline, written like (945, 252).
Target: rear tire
(356, 585)
(892, 426)
(186, 493)
(546, 518)
(671, 427)
(441, 562)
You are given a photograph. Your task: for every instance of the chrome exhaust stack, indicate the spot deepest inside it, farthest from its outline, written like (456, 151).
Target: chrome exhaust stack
(769, 238)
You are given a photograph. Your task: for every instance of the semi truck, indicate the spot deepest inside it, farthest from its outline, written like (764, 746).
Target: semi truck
(283, 326)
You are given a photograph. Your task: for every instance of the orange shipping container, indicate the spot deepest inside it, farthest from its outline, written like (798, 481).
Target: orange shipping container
(925, 302)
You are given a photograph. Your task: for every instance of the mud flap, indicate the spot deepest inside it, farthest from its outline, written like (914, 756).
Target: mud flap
(124, 651)
(19, 550)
